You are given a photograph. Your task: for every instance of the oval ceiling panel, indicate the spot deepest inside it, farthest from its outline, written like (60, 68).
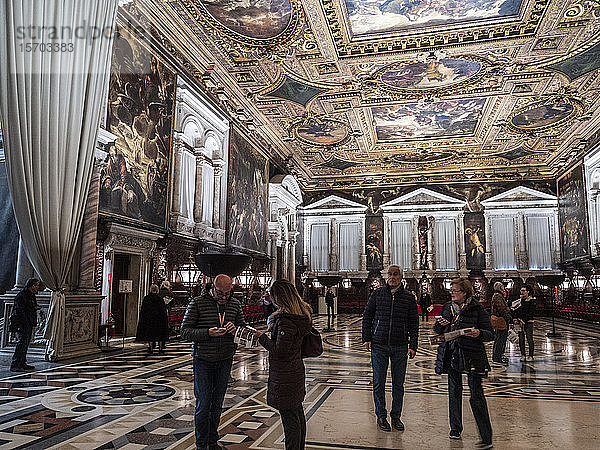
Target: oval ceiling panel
(260, 19)
(543, 116)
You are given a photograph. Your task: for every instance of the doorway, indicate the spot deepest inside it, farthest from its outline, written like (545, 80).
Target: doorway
(124, 308)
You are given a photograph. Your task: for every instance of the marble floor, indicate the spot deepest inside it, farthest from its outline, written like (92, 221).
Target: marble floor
(135, 401)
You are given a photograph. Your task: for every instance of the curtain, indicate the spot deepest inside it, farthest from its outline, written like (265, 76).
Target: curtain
(503, 248)
(349, 247)
(538, 243)
(401, 248)
(445, 244)
(319, 247)
(50, 107)
(187, 184)
(208, 193)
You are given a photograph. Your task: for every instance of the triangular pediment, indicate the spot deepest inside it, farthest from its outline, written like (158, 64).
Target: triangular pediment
(334, 202)
(520, 195)
(423, 197)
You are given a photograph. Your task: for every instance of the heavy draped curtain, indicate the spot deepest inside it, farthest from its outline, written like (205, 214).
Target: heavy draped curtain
(401, 244)
(187, 187)
(319, 247)
(349, 246)
(445, 244)
(538, 243)
(503, 238)
(50, 108)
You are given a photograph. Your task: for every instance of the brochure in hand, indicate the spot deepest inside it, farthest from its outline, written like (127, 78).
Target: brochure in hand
(245, 336)
(445, 337)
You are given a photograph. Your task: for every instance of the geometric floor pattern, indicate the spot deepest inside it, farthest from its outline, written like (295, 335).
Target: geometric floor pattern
(140, 401)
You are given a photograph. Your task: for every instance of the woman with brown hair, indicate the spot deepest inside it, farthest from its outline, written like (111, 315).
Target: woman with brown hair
(465, 354)
(288, 325)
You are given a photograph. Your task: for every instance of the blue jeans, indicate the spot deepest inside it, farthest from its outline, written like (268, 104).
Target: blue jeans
(210, 385)
(380, 356)
(477, 401)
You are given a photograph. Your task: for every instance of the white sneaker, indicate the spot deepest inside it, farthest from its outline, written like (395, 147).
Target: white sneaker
(530, 358)
(523, 358)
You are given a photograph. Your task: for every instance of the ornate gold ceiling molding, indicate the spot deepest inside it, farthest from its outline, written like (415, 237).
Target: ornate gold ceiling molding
(424, 40)
(297, 37)
(320, 131)
(552, 113)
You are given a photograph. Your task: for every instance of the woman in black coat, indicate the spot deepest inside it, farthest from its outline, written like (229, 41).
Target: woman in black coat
(286, 390)
(153, 325)
(465, 354)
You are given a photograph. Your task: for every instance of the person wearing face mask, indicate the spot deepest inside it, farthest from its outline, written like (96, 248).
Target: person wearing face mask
(210, 322)
(390, 331)
(465, 354)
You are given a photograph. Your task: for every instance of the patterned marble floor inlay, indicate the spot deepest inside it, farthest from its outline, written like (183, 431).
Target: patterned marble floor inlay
(135, 401)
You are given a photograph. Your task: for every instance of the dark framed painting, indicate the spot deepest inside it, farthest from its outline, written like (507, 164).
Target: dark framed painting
(474, 226)
(572, 215)
(374, 242)
(134, 183)
(248, 195)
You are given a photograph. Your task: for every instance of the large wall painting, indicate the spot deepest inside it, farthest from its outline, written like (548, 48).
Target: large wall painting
(374, 242)
(367, 17)
(428, 120)
(428, 74)
(572, 215)
(140, 113)
(475, 240)
(248, 195)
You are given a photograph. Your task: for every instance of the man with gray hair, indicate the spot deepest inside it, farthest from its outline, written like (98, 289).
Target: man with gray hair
(390, 331)
(210, 322)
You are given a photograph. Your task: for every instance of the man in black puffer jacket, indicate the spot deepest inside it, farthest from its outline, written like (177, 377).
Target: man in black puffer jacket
(210, 322)
(390, 331)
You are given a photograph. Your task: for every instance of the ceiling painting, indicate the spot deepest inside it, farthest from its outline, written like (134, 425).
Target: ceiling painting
(293, 90)
(578, 65)
(428, 74)
(369, 17)
(260, 21)
(321, 131)
(547, 114)
(428, 120)
(359, 94)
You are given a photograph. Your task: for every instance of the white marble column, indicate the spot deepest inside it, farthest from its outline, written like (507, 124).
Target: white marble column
(25, 270)
(217, 198)
(198, 195)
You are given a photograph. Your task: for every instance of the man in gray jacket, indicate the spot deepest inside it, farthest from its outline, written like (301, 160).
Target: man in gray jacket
(210, 322)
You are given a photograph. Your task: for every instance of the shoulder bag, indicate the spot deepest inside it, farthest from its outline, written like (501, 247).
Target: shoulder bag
(312, 344)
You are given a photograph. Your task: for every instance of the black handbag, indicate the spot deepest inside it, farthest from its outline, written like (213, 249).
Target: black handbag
(14, 323)
(312, 344)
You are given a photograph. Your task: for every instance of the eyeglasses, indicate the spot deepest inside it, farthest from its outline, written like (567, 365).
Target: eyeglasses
(394, 274)
(221, 294)
(455, 291)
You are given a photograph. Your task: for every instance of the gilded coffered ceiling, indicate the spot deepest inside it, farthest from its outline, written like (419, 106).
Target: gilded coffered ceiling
(359, 93)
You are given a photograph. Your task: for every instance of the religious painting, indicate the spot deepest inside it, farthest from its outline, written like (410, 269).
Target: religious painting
(431, 73)
(248, 195)
(515, 153)
(339, 164)
(541, 116)
(322, 132)
(474, 226)
(578, 65)
(449, 118)
(572, 215)
(424, 225)
(140, 113)
(374, 242)
(368, 17)
(261, 19)
(296, 91)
